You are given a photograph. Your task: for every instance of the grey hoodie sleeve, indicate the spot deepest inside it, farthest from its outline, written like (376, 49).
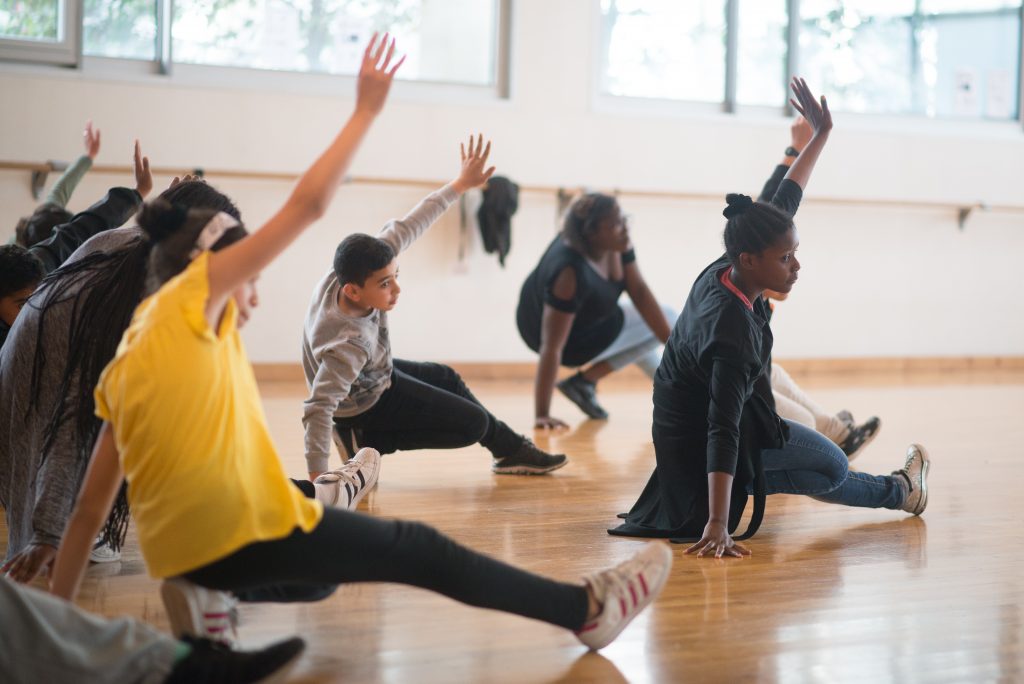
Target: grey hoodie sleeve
(340, 365)
(401, 233)
(69, 180)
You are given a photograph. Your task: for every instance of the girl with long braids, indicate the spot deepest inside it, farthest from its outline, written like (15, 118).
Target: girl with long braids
(212, 506)
(63, 338)
(717, 436)
(569, 312)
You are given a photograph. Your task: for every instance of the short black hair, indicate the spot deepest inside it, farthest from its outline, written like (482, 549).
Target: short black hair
(753, 226)
(358, 256)
(18, 269)
(33, 229)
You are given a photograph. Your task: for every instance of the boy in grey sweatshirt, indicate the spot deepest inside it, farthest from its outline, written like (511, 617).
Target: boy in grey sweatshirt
(359, 395)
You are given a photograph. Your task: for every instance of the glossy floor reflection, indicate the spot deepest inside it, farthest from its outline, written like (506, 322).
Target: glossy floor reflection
(830, 594)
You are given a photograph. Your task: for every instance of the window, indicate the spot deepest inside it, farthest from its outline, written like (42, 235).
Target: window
(39, 30)
(447, 40)
(120, 28)
(664, 49)
(934, 58)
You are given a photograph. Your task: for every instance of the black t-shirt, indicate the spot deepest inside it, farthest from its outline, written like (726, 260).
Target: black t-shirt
(598, 318)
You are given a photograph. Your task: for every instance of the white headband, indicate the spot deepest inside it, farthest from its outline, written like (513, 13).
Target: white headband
(212, 231)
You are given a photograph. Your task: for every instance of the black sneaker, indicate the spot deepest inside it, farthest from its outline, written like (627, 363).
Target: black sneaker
(210, 661)
(860, 436)
(528, 460)
(348, 441)
(583, 393)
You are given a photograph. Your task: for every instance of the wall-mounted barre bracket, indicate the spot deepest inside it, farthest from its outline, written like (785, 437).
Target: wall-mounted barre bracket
(39, 176)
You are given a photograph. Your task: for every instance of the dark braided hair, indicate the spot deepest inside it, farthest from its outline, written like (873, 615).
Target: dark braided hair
(104, 288)
(584, 218)
(752, 226)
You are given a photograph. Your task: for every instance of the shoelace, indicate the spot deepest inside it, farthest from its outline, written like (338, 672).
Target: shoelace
(346, 473)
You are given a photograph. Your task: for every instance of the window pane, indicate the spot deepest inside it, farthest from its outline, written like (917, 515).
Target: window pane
(761, 68)
(30, 20)
(446, 40)
(968, 64)
(948, 58)
(664, 48)
(120, 28)
(858, 52)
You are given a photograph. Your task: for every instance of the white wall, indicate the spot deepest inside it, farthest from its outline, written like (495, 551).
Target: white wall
(875, 281)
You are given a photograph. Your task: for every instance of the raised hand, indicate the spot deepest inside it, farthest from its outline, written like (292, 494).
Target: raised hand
(143, 176)
(800, 133)
(375, 76)
(474, 163)
(91, 138)
(814, 112)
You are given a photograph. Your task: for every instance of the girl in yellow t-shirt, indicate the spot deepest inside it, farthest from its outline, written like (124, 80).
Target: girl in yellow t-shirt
(214, 510)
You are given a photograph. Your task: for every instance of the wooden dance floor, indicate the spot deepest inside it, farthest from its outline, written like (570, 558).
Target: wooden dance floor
(830, 594)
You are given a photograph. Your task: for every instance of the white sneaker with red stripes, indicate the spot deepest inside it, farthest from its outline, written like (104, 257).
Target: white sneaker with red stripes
(624, 591)
(200, 612)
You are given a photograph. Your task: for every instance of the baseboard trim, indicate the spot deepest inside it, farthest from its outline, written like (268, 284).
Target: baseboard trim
(523, 371)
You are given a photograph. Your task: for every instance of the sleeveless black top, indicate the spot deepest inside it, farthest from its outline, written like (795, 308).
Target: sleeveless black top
(598, 318)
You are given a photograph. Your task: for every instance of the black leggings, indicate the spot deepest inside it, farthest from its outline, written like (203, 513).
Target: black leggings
(352, 547)
(428, 406)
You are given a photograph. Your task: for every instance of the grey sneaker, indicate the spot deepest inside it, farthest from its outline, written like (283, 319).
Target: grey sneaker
(846, 418)
(860, 436)
(624, 591)
(915, 471)
(583, 393)
(346, 486)
(528, 459)
(200, 612)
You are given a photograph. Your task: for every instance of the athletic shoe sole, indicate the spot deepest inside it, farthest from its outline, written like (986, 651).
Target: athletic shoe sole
(925, 467)
(527, 469)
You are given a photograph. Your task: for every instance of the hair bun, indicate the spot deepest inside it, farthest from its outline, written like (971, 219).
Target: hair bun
(160, 219)
(737, 204)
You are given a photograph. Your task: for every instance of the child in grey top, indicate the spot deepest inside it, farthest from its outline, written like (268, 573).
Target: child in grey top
(354, 383)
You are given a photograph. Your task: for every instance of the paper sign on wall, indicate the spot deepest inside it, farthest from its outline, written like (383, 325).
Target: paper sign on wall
(965, 93)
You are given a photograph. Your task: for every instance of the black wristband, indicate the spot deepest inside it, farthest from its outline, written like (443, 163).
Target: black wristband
(792, 151)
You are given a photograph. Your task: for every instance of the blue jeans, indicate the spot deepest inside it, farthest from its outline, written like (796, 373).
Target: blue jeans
(812, 464)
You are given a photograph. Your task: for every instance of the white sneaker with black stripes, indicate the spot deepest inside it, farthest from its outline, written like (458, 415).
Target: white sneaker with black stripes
(346, 486)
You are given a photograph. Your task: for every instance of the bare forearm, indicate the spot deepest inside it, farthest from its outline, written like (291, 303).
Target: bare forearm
(73, 555)
(652, 314)
(719, 497)
(800, 171)
(544, 383)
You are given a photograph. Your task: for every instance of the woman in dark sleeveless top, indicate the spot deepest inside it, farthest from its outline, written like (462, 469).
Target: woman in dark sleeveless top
(569, 313)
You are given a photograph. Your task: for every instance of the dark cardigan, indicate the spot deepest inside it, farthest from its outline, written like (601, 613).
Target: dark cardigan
(713, 406)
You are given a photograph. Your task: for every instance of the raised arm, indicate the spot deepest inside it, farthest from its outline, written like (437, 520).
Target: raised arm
(69, 180)
(819, 118)
(402, 233)
(800, 133)
(102, 481)
(231, 267)
(116, 207)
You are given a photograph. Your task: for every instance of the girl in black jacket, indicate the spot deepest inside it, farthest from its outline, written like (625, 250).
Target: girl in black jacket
(717, 437)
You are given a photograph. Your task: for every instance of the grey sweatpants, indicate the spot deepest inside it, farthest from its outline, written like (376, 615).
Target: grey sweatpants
(45, 639)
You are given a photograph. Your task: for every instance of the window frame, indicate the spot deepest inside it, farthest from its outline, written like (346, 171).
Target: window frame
(66, 51)
(729, 104)
(162, 67)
